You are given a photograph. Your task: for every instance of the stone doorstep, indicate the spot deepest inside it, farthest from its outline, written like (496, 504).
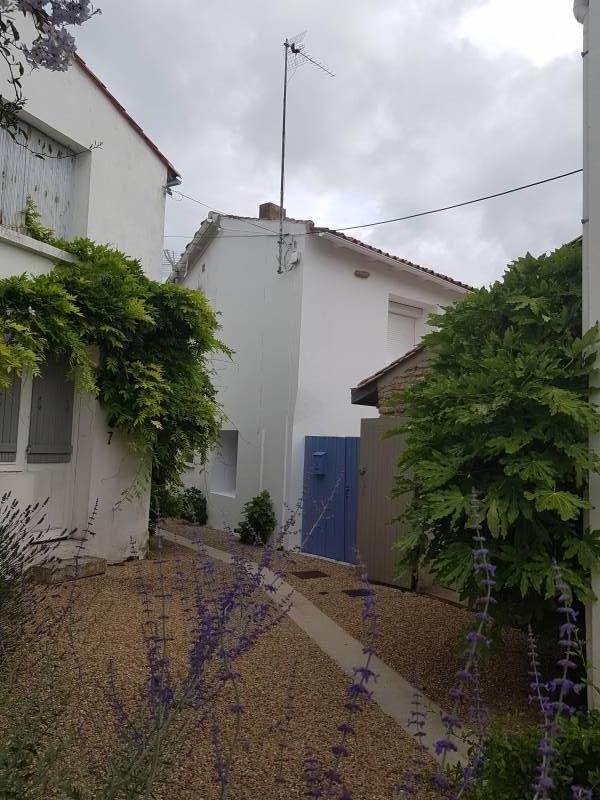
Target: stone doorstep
(68, 569)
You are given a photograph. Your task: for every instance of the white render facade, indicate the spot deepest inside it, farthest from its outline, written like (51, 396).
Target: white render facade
(114, 194)
(301, 340)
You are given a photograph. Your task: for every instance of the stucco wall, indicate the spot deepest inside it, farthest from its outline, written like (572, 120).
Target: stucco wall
(260, 314)
(344, 338)
(102, 467)
(118, 198)
(119, 195)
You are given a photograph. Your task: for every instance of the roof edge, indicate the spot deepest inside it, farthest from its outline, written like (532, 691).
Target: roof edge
(366, 382)
(409, 266)
(172, 172)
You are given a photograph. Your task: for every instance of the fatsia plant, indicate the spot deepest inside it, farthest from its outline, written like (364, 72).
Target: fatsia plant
(506, 407)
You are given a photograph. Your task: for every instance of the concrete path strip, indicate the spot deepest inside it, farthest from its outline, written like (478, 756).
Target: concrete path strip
(392, 693)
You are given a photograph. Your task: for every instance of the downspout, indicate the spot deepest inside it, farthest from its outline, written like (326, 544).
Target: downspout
(591, 297)
(580, 9)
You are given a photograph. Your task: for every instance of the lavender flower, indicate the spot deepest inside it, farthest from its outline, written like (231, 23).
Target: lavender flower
(553, 710)
(468, 675)
(417, 719)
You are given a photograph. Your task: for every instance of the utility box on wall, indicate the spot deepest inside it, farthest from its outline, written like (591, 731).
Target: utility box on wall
(319, 463)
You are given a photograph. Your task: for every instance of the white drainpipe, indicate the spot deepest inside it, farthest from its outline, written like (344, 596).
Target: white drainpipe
(591, 277)
(580, 9)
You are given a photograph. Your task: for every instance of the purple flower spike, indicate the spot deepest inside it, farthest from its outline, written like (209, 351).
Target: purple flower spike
(468, 675)
(553, 709)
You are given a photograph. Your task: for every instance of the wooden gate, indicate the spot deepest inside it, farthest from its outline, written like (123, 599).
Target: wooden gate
(377, 509)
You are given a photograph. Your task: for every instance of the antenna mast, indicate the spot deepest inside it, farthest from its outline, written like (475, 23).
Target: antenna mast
(294, 57)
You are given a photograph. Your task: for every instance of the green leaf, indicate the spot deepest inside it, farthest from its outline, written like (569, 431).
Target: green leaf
(567, 505)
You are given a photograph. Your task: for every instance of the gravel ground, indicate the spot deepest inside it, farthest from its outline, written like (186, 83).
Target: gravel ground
(108, 632)
(419, 635)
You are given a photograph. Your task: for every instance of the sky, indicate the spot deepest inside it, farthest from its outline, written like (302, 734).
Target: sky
(433, 102)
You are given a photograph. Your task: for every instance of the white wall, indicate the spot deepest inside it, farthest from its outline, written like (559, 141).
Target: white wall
(302, 340)
(344, 338)
(260, 314)
(102, 466)
(119, 196)
(119, 199)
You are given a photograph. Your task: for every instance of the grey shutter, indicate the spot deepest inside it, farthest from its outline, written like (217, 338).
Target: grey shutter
(10, 399)
(51, 415)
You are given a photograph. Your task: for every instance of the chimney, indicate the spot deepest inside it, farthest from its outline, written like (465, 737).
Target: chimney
(269, 211)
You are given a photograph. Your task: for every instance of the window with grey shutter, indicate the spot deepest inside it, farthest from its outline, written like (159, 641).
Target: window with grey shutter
(10, 399)
(51, 415)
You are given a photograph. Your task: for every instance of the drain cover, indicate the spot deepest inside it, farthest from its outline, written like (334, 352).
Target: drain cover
(358, 592)
(310, 573)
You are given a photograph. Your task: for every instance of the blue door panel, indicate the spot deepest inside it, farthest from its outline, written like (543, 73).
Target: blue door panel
(330, 496)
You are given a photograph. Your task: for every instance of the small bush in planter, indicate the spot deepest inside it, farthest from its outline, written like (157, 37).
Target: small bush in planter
(194, 506)
(259, 520)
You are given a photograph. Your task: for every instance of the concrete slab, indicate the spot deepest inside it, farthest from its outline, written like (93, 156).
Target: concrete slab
(61, 570)
(392, 693)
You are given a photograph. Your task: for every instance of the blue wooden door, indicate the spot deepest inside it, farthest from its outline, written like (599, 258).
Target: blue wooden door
(329, 510)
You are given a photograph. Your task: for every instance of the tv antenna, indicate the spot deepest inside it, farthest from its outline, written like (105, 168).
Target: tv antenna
(295, 56)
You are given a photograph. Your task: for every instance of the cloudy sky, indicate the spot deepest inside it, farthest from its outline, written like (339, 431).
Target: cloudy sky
(434, 102)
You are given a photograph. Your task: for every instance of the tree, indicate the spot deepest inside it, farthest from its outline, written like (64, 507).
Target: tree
(53, 47)
(505, 410)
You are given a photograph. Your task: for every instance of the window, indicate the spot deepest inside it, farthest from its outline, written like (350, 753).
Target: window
(50, 426)
(10, 400)
(402, 328)
(50, 182)
(223, 468)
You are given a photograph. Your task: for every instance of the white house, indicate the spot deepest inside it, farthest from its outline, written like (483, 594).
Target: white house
(301, 338)
(589, 14)
(54, 442)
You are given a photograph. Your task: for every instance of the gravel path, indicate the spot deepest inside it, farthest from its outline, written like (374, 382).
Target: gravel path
(109, 632)
(418, 634)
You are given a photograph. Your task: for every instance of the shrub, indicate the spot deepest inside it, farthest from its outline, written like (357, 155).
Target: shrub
(510, 761)
(166, 502)
(194, 506)
(505, 405)
(259, 520)
(153, 342)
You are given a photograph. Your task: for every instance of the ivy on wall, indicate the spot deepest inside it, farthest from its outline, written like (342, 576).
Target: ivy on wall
(505, 408)
(140, 346)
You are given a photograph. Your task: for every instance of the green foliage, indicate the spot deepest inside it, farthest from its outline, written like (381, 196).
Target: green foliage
(152, 342)
(178, 503)
(505, 408)
(166, 502)
(259, 520)
(194, 506)
(511, 760)
(32, 222)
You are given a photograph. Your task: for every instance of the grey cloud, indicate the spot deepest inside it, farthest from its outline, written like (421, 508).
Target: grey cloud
(415, 118)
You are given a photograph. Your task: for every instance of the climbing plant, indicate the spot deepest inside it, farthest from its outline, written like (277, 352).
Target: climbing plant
(141, 346)
(505, 408)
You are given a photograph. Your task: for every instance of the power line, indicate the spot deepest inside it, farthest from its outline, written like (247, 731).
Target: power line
(459, 205)
(212, 208)
(379, 222)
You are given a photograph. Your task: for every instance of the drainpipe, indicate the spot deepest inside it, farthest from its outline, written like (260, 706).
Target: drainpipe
(580, 9)
(590, 17)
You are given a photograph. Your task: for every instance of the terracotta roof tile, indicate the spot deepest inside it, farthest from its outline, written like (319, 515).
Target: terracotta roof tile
(370, 247)
(396, 363)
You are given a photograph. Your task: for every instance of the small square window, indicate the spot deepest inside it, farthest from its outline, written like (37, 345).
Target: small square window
(223, 464)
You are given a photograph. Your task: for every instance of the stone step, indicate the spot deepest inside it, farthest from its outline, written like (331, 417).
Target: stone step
(68, 569)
